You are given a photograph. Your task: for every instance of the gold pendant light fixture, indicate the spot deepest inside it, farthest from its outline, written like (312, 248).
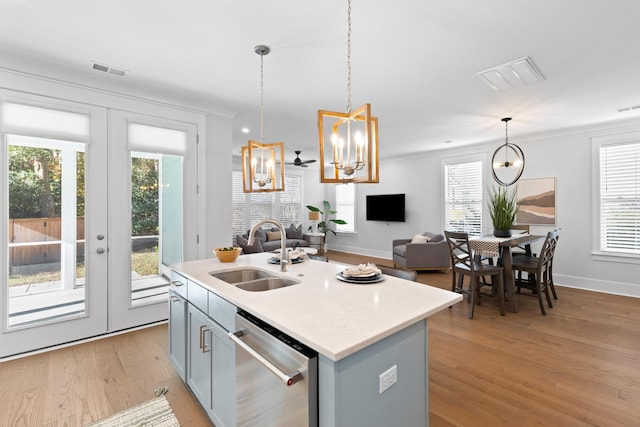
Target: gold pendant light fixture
(348, 141)
(507, 163)
(262, 164)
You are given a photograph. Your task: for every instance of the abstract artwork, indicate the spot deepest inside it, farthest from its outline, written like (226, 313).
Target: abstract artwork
(537, 201)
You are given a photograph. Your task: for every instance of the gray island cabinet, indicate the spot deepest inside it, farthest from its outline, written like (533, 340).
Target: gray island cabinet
(371, 340)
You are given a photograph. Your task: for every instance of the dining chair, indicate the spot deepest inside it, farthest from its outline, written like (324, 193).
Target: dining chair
(464, 263)
(396, 272)
(538, 269)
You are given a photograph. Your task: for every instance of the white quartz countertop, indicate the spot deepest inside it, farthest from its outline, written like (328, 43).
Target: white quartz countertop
(332, 317)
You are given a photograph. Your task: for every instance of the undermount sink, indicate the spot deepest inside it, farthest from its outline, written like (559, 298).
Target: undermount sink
(266, 284)
(242, 275)
(253, 279)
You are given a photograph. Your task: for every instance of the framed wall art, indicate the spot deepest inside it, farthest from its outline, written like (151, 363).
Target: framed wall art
(537, 201)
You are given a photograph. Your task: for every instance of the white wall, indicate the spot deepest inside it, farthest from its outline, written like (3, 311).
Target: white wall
(566, 156)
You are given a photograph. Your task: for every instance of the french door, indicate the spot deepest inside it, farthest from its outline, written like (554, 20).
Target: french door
(54, 251)
(153, 223)
(95, 212)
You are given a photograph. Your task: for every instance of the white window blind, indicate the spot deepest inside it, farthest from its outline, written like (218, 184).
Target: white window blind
(44, 122)
(238, 203)
(290, 201)
(620, 198)
(463, 197)
(345, 206)
(156, 139)
(262, 207)
(251, 208)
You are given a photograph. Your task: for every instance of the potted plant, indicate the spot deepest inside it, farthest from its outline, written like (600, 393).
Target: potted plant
(326, 220)
(503, 208)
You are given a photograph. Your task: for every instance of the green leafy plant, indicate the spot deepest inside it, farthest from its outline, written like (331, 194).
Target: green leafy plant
(326, 220)
(503, 207)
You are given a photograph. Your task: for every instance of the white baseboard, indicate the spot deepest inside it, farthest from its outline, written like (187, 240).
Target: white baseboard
(596, 285)
(361, 251)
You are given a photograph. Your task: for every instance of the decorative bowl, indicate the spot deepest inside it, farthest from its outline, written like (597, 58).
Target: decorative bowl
(227, 255)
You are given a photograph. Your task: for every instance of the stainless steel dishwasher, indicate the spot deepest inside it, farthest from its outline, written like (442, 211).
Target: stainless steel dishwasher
(276, 376)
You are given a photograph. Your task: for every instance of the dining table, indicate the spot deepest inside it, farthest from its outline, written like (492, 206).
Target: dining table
(501, 247)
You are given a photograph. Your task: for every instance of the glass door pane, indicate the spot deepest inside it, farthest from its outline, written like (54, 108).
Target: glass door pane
(156, 209)
(46, 222)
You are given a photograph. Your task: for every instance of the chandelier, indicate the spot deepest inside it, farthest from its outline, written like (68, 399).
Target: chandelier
(262, 164)
(348, 141)
(507, 163)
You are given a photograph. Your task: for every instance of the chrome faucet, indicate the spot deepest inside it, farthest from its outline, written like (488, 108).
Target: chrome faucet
(284, 256)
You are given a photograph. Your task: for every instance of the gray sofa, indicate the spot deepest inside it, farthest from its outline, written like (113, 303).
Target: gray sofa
(268, 239)
(432, 255)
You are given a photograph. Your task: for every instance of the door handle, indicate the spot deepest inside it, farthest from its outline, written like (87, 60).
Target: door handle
(287, 379)
(100, 250)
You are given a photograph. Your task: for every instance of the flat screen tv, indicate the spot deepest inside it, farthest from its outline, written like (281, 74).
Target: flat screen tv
(385, 207)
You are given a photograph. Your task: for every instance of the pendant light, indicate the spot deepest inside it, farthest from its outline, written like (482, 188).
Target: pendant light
(507, 163)
(348, 141)
(262, 164)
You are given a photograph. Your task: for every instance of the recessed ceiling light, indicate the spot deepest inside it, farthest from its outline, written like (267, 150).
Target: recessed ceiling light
(520, 72)
(245, 130)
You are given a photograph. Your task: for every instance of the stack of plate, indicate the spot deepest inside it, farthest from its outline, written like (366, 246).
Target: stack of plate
(361, 279)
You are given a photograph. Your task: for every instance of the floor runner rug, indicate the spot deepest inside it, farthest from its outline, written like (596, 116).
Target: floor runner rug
(156, 412)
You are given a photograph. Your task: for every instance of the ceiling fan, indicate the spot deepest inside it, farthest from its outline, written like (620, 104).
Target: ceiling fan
(299, 162)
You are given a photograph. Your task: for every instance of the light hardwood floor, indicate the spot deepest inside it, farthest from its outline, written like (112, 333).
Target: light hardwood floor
(577, 366)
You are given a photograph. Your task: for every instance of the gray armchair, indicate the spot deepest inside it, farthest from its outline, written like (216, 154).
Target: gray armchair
(432, 255)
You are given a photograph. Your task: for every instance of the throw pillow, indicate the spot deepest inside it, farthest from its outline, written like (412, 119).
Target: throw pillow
(294, 232)
(260, 234)
(246, 249)
(273, 235)
(419, 238)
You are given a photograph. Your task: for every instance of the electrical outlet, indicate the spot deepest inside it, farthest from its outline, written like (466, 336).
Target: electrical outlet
(388, 378)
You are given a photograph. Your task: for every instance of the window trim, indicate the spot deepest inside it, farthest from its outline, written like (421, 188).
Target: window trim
(468, 158)
(597, 142)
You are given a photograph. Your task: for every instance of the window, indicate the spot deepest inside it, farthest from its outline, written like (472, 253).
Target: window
(290, 201)
(463, 197)
(619, 210)
(346, 207)
(250, 208)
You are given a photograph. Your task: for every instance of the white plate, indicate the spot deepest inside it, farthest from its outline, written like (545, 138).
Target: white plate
(361, 280)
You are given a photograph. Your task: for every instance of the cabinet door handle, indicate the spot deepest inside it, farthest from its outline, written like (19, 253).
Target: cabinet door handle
(177, 283)
(174, 299)
(203, 344)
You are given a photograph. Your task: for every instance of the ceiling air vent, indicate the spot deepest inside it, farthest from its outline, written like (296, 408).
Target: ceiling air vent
(623, 109)
(108, 69)
(517, 73)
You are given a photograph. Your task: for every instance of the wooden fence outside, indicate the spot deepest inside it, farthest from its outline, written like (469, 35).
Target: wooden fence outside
(36, 232)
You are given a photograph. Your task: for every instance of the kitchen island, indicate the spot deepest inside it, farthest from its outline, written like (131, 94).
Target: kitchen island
(360, 332)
